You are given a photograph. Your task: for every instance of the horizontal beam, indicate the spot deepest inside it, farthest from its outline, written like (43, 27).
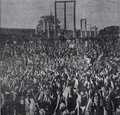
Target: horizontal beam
(63, 1)
(66, 15)
(83, 19)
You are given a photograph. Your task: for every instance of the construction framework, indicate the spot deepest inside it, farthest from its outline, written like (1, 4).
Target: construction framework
(92, 31)
(81, 26)
(95, 31)
(74, 14)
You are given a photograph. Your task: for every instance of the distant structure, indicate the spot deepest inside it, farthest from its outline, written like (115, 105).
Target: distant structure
(65, 5)
(93, 31)
(46, 25)
(81, 26)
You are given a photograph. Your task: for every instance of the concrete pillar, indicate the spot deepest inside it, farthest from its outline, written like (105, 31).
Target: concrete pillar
(55, 32)
(81, 28)
(36, 30)
(64, 15)
(90, 31)
(48, 29)
(74, 20)
(95, 31)
(85, 27)
(43, 25)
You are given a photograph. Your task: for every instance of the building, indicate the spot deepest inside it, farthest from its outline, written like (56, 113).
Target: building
(46, 25)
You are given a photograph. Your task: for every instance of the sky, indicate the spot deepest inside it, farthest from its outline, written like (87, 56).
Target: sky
(27, 13)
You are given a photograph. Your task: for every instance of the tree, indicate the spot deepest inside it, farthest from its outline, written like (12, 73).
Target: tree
(111, 30)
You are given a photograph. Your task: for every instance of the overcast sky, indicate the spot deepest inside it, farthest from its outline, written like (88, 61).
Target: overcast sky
(26, 13)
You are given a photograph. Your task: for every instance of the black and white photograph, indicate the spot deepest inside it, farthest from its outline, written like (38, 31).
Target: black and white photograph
(60, 57)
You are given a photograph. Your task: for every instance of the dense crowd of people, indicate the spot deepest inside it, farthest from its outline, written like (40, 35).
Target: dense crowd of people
(48, 77)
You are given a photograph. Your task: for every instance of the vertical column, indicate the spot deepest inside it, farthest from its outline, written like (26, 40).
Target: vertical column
(74, 19)
(48, 29)
(85, 27)
(55, 32)
(43, 25)
(81, 28)
(64, 15)
(90, 32)
(36, 30)
(95, 31)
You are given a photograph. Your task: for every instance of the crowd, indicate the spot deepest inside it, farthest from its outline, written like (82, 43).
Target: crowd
(47, 77)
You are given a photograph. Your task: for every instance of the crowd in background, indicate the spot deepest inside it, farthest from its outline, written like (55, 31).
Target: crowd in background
(48, 77)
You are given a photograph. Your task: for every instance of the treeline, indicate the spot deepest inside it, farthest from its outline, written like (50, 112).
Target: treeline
(111, 30)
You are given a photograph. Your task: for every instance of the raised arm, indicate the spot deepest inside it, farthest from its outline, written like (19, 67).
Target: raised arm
(58, 102)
